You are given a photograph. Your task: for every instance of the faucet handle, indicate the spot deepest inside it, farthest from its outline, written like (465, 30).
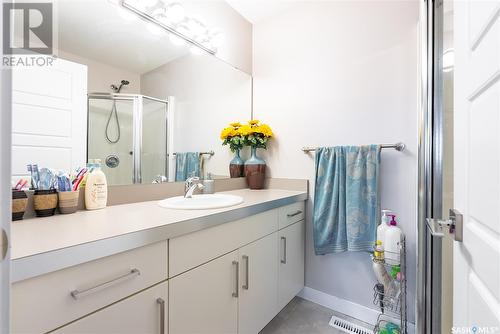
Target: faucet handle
(192, 179)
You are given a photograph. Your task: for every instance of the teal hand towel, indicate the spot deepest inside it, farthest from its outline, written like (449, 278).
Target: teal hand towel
(346, 199)
(187, 164)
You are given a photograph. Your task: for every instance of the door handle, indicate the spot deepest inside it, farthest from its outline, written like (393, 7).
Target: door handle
(454, 224)
(236, 264)
(5, 245)
(161, 302)
(283, 259)
(245, 257)
(82, 293)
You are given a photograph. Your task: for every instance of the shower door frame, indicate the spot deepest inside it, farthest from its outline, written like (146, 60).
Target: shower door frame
(430, 168)
(137, 116)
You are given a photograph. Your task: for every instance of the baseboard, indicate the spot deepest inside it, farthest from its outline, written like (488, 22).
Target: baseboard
(343, 306)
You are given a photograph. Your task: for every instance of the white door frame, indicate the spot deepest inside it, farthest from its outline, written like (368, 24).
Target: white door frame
(5, 192)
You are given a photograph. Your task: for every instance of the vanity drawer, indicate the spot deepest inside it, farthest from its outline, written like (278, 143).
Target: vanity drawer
(291, 214)
(194, 249)
(46, 302)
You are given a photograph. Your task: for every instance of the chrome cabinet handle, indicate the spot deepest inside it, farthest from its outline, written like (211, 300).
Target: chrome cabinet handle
(161, 302)
(245, 286)
(79, 294)
(236, 264)
(290, 215)
(283, 259)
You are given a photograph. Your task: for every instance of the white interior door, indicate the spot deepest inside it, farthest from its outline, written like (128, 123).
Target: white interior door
(477, 165)
(5, 195)
(49, 116)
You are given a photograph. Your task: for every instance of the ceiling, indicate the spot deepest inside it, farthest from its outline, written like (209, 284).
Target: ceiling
(102, 31)
(257, 10)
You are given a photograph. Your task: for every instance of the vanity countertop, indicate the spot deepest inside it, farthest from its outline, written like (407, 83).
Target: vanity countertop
(41, 245)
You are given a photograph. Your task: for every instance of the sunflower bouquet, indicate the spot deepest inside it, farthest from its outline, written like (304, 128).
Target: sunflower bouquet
(231, 136)
(253, 134)
(256, 134)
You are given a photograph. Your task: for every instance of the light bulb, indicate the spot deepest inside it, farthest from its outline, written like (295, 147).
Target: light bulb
(176, 12)
(158, 13)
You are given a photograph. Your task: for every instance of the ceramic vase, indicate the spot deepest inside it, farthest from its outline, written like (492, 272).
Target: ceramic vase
(236, 165)
(255, 171)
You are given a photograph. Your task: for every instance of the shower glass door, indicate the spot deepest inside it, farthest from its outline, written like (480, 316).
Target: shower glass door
(128, 133)
(154, 140)
(110, 136)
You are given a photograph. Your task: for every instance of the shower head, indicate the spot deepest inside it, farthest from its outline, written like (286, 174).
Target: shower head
(117, 89)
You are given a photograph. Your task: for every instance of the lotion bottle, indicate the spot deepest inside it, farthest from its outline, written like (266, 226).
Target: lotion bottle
(392, 241)
(383, 226)
(96, 188)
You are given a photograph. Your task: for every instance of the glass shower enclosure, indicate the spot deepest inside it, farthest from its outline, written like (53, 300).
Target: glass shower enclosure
(128, 133)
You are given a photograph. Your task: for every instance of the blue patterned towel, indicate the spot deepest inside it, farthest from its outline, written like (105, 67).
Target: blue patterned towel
(346, 201)
(187, 164)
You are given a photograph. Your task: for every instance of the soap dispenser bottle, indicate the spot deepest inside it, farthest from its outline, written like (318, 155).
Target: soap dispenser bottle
(383, 226)
(393, 240)
(96, 187)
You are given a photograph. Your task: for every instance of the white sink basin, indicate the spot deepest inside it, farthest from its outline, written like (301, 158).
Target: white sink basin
(201, 202)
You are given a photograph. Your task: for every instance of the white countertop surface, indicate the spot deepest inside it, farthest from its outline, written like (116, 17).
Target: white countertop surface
(43, 236)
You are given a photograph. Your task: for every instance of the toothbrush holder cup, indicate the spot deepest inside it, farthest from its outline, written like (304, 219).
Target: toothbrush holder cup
(68, 201)
(45, 202)
(19, 204)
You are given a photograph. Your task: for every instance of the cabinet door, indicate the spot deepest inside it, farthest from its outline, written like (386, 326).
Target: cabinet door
(145, 313)
(205, 299)
(258, 300)
(291, 262)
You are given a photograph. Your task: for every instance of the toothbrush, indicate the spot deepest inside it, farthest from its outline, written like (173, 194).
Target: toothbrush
(17, 184)
(23, 184)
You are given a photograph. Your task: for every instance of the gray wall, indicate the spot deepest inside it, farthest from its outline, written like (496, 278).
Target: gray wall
(336, 73)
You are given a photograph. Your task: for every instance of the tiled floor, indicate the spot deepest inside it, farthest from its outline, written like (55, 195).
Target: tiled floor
(301, 317)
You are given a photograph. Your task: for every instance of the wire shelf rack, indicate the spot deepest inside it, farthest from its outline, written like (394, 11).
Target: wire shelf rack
(393, 304)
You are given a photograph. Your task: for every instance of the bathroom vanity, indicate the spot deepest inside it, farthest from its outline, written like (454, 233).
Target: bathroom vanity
(141, 268)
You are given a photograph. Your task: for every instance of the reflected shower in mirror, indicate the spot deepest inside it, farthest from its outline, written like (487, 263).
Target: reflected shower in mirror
(134, 95)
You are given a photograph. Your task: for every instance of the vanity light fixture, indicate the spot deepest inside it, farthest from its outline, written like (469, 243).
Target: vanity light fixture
(171, 16)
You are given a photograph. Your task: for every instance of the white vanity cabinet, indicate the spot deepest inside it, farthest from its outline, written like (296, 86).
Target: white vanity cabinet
(145, 313)
(241, 291)
(258, 282)
(204, 299)
(291, 262)
(229, 278)
(46, 302)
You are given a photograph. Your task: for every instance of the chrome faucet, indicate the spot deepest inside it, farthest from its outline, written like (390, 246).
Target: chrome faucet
(190, 185)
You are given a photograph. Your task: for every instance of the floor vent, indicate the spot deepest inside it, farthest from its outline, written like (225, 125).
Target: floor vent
(348, 327)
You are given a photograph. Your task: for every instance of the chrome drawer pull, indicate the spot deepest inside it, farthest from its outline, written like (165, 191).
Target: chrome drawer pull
(161, 302)
(236, 264)
(245, 286)
(290, 215)
(79, 294)
(283, 260)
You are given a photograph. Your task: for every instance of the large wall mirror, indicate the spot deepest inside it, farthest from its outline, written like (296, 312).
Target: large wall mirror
(130, 93)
